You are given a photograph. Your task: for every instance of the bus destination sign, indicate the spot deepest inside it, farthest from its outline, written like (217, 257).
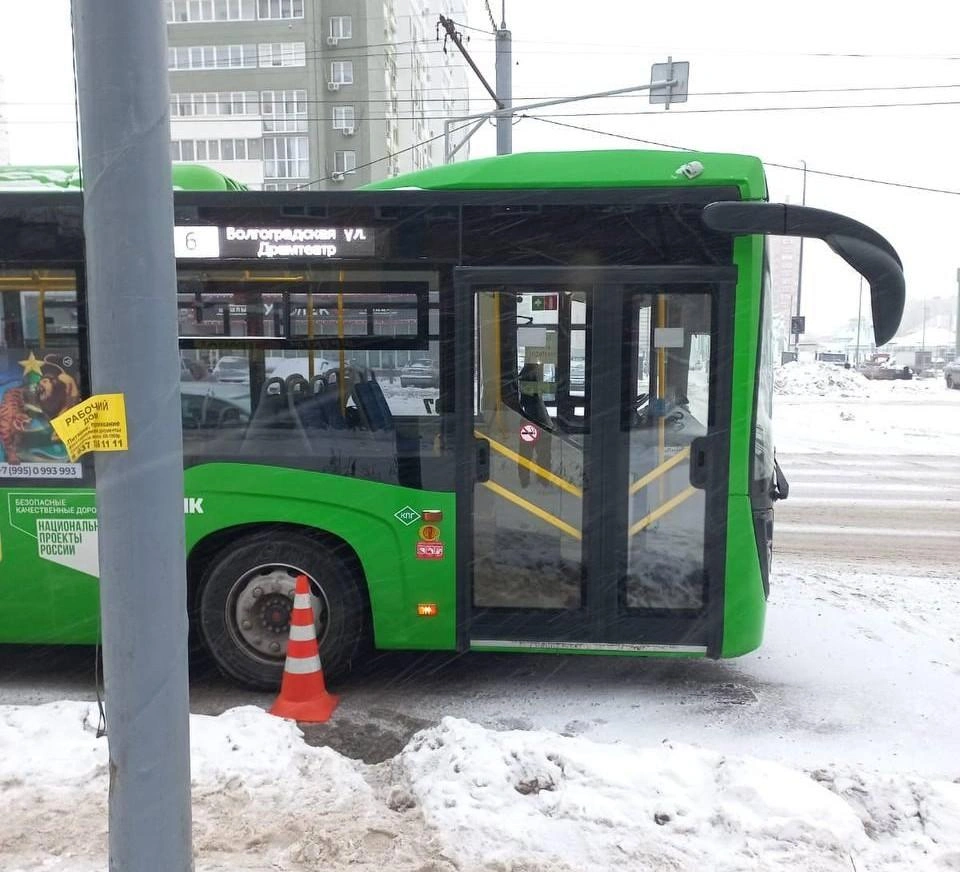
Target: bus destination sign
(272, 243)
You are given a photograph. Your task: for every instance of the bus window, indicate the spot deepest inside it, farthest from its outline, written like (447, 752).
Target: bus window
(328, 370)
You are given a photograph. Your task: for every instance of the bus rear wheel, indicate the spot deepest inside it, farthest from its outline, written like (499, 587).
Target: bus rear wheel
(246, 598)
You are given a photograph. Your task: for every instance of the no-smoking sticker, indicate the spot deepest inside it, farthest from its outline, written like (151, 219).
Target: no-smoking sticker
(529, 433)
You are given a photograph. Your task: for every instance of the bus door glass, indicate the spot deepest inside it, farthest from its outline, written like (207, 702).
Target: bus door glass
(598, 501)
(667, 365)
(530, 401)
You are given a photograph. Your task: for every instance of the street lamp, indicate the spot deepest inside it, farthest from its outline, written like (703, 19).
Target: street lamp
(803, 202)
(923, 328)
(856, 355)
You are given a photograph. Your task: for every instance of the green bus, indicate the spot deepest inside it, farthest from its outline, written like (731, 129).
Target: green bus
(514, 404)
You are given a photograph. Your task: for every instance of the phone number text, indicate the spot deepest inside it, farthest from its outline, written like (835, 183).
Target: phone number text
(41, 470)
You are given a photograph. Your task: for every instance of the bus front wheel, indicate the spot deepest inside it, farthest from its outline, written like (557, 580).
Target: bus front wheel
(246, 598)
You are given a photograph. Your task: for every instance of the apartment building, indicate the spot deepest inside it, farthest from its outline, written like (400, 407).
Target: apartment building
(4, 133)
(784, 259)
(286, 94)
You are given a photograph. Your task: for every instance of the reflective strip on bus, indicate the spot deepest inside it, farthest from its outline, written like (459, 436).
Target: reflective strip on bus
(625, 647)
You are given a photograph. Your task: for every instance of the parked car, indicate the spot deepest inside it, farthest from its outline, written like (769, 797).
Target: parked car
(210, 406)
(837, 357)
(883, 366)
(951, 372)
(192, 370)
(422, 373)
(283, 367)
(234, 370)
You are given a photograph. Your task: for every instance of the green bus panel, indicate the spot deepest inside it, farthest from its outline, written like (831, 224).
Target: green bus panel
(368, 516)
(48, 544)
(744, 601)
(583, 170)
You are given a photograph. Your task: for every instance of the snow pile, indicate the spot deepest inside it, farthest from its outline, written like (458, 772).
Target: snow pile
(895, 417)
(535, 800)
(819, 379)
(262, 798)
(462, 797)
(540, 800)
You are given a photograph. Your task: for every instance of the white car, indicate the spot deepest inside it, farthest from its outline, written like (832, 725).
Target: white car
(233, 370)
(283, 367)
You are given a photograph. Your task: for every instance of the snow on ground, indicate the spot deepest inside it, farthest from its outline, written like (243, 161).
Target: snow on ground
(836, 752)
(824, 408)
(463, 797)
(818, 379)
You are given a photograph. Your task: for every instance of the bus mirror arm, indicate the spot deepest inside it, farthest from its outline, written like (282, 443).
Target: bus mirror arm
(860, 246)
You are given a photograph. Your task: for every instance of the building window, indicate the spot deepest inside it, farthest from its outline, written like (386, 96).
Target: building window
(341, 72)
(282, 186)
(211, 57)
(344, 118)
(183, 11)
(341, 27)
(284, 111)
(344, 162)
(216, 149)
(230, 103)
(286, 157)
(268, 9)
(283, 54)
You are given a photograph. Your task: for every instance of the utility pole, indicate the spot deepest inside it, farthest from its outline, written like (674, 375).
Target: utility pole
(668, 83)
(504, 85)
(450, 28)
(856, 356)
(121, 61)
(923, 327)
(956, 323)
(803, 202)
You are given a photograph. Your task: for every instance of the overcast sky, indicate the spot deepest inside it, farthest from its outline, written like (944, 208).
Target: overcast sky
(875, 56)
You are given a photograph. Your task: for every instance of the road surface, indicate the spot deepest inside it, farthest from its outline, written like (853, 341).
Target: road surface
(901, 513)
(895, 514)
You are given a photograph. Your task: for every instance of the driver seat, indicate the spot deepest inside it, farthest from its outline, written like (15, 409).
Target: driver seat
(532, 406)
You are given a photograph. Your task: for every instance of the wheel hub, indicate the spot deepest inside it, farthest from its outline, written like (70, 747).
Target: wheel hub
(275, 611)
(260, 606)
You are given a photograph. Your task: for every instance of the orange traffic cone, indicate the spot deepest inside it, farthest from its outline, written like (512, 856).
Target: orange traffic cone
(303, 693)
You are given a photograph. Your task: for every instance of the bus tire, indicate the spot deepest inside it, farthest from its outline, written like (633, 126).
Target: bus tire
(245, 598)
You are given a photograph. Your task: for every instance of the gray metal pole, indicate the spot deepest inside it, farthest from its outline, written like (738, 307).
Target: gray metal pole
(956, 325)
(481, 117)
(121, 55)
(504, 89)
(800, 260)
(923, 327)
(856, 356)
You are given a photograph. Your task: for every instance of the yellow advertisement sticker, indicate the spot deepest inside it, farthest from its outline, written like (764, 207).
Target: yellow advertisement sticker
(97, 424)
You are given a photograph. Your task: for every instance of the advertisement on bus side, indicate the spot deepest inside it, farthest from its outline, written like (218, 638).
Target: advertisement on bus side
(35, 387)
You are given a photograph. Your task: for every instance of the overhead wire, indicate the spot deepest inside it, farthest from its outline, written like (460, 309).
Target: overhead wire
(619, 113)
(810, 170)
(388, 156)
(443, 90)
